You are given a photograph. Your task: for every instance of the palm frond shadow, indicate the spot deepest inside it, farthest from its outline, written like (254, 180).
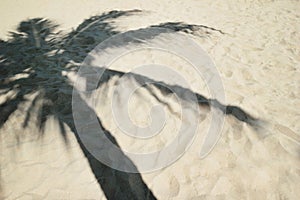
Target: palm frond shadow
(188, 28)
(167, 89)
(34, 60)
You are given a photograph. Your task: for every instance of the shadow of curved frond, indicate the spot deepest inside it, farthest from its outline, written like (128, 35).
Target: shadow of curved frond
(167, 89)
(89, 33)
(188, 28)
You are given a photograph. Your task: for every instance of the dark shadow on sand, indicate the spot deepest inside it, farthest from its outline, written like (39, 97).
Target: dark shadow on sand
(41, 54)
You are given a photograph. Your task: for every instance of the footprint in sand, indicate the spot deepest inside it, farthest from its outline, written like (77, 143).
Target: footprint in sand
(167, 186)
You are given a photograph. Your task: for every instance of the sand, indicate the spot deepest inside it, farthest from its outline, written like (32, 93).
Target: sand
(256, 54)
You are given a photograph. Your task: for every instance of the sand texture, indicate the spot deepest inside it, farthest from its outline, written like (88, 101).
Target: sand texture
(254, 46)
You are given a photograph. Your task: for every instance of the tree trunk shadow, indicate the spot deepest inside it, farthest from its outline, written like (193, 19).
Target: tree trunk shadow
(115, 184)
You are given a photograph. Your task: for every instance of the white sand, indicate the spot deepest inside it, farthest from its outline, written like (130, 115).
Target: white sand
(258, 59)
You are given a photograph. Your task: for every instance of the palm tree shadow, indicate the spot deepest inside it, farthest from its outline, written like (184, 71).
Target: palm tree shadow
(35, 59)
(40, 55)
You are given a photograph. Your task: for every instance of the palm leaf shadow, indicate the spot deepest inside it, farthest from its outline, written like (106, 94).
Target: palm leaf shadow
(40, 54)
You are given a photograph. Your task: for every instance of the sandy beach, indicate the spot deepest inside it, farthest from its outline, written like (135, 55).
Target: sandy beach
(52, 104)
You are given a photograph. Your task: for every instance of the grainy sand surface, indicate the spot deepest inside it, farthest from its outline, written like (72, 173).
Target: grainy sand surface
(256, 52)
